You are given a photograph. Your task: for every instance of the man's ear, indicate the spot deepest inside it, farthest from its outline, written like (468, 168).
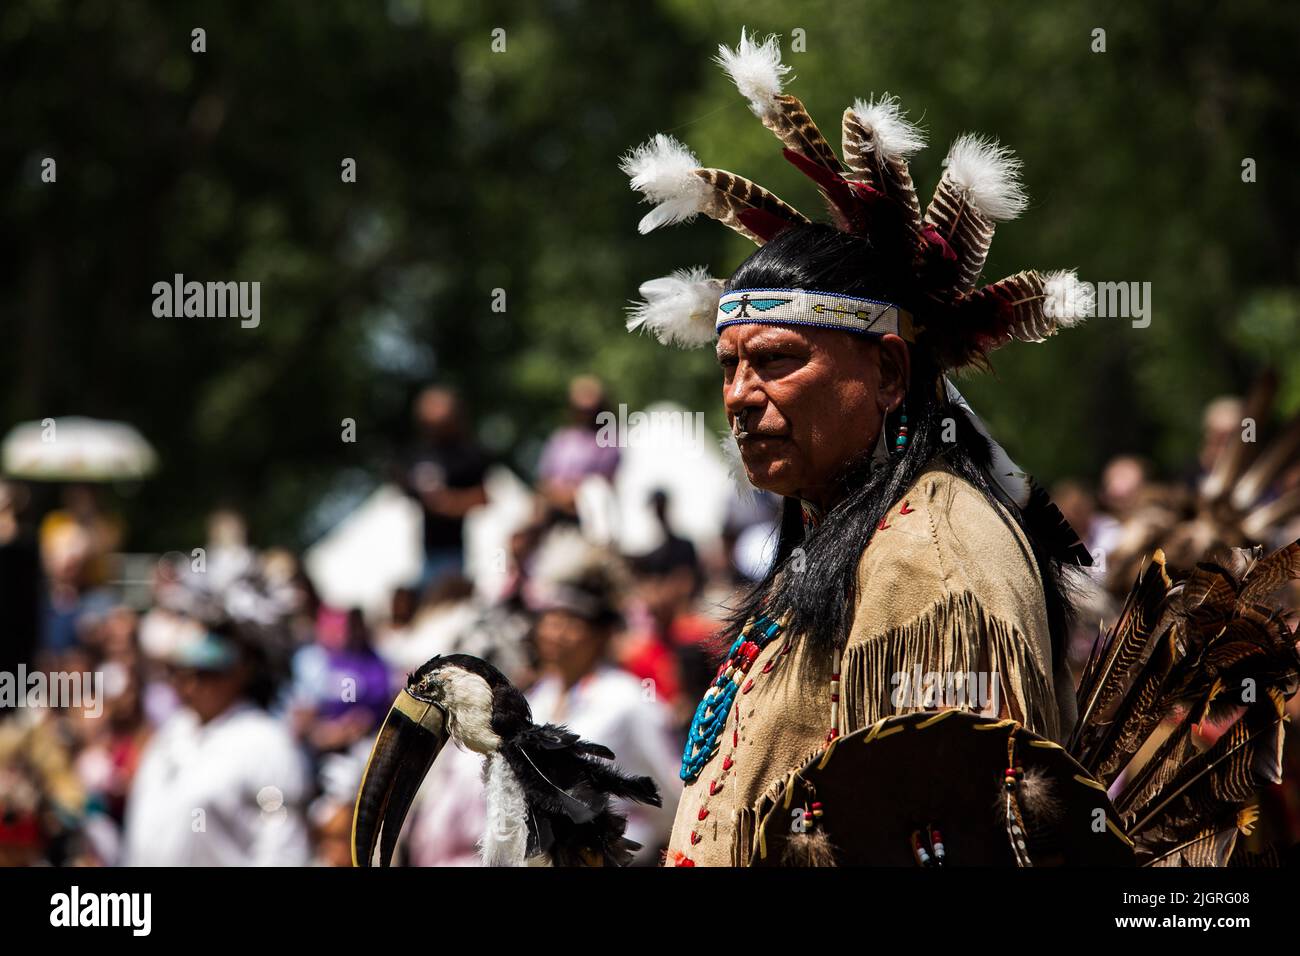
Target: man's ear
(895, 371)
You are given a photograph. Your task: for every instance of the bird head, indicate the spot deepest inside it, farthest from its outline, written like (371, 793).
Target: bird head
(482, 707)
(454, 697)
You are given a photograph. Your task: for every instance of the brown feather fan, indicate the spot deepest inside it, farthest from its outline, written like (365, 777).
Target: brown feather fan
(1203, 650)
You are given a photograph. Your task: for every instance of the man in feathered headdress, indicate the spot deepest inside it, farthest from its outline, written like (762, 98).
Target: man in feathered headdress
(911, 546)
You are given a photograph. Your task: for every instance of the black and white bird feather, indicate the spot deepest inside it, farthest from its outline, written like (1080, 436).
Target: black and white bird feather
(549, 793)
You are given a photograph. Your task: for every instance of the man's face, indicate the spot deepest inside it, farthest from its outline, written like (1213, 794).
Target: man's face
(810, 401)
(567, 642)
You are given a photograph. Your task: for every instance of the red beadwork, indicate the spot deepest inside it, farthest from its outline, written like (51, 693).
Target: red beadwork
(695, 838)
(704, 812)
(727, 764)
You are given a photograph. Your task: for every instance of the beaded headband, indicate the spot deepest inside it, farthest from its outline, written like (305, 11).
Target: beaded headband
(819, 309)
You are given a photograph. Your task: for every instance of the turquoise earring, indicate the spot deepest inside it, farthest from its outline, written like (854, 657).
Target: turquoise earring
(900, 443)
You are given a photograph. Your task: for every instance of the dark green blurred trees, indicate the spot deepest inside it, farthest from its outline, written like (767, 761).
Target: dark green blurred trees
(480, 170)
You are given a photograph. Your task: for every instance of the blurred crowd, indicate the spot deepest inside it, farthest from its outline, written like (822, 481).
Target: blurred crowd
(230, 710)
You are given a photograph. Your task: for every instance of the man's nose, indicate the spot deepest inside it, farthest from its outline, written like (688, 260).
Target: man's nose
(743, 391)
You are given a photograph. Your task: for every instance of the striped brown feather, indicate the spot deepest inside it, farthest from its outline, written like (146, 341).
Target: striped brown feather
(892, 177)
(732, 194)
(1122, 649)
(968, 233)
(1271, 573)
(790, 121)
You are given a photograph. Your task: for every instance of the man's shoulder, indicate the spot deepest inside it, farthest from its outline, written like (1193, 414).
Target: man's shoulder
(943, 538)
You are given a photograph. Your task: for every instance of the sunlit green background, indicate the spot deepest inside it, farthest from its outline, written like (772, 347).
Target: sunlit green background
(482, 170)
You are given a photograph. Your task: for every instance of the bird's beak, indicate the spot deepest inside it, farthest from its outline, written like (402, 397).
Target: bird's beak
(413, 733)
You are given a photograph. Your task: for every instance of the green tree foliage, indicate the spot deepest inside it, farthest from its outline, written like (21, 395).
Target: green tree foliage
(480, 170)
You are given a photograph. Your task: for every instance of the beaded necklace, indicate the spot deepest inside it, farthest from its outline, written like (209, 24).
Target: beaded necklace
(710, 721)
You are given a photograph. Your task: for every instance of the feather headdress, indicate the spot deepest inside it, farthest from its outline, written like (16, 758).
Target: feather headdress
(869, 193)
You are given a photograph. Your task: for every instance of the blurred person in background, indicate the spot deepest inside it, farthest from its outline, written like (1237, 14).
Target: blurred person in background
(444, 472)
(81, 506)
(41, 799)
(577, 593)
(341, 686)
(65, 557)
(1097, 530)
(222, 783)
(573, 453)
(110, 744)
(1122, 483)
(1221, 425)
(669, 642)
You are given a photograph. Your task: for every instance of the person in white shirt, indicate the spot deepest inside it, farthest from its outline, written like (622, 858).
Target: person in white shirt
(223, 782)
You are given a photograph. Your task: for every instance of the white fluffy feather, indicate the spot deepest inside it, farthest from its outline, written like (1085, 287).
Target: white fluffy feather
(989, 174)
(736, 466)
(1069, 301)
(468, 700)
(756, 69)
(679, 309)
(505, 837)
(663, 171)
(895, 137)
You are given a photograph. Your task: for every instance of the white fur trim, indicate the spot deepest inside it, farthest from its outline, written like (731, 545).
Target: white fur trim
(679, 309)
(989, 174)
(756, 69)
(893, 135)
(1069, 301)
(663, 170)
(505, 837)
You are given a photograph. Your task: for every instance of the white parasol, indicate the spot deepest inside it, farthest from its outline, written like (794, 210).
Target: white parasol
(74, 448)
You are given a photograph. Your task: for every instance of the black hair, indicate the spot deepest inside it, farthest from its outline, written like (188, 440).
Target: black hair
(819, 602)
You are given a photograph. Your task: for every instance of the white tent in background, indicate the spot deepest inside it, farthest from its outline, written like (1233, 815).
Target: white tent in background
(366, 556)
(670, 449)
(378, 547)
(510, 506)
